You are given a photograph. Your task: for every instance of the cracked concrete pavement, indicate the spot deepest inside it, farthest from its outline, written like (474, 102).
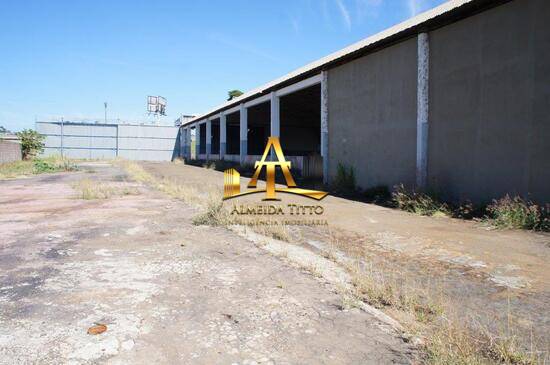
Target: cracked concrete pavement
(496, 279)
(168, 291)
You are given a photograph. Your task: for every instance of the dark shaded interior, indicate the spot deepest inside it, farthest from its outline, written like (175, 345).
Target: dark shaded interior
(215, 136)
(301, 122)
(259, 127)
(233, 143)
(202, 142)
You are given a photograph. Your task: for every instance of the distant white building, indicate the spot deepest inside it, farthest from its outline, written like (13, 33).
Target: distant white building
(183, 119)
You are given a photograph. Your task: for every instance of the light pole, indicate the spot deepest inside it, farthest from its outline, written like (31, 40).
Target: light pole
(105, 103)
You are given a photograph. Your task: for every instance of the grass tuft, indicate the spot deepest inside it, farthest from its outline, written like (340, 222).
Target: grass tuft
(344, 182)
(419, 203)
(215, 215)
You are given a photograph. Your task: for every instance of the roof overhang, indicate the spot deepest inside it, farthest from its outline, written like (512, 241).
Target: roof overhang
(442, 15)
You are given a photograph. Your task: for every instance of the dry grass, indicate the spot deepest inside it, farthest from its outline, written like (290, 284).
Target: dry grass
(89, 189)
(419, 203)
(205, 199)
(314, 269)
(452, 342)
(278, 232)
(394, 291)
(215, 215)
(448, 339)
(186, 193)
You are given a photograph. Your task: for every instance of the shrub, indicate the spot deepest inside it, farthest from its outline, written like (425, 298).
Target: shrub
(210, 165)
(344, 182)
(42, 166)
(419, 203)
(378, 195)
(32, 143)
(519, 214)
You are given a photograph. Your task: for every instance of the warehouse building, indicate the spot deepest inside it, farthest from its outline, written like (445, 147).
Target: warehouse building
(455, 100)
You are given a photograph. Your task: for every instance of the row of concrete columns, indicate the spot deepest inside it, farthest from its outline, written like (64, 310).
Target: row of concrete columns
(422, 121)
(275, 127)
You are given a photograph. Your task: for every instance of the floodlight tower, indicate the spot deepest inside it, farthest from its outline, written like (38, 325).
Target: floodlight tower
(156, 105)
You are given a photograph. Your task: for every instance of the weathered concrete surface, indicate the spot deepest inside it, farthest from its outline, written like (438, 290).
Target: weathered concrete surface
(488, 276)
(490, 104)
(489, 108)
(10, 150)
(169, 292)
(372, 116)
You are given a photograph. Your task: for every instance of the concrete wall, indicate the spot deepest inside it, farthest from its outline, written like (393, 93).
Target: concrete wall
(489, 120)
(489, 108)
(372, 116)
(135, 142)
(10, 151)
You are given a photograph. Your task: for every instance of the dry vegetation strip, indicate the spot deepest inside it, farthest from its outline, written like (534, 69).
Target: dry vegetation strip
(35, 166)
(89, 189)
(446, 338)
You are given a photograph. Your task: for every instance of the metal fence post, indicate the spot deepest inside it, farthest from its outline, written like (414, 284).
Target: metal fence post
(62, 135)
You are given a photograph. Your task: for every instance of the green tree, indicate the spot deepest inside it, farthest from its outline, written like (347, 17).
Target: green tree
(3, 130)
(234, 94)
(32, 143)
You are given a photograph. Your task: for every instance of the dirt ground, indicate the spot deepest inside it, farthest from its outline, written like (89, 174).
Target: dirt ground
(499, 279)
(168, 291)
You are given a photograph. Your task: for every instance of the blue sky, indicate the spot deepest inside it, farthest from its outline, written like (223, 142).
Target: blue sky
(65, 58)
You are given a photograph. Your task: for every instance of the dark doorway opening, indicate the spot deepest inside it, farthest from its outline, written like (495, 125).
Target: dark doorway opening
(202, 142)
(233, 140)
(215, 136)
(259, 127)
(301, 122)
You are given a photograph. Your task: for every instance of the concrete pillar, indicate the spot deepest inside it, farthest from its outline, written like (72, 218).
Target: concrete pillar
(324, 124)
(243, 133)
(422, 111)
(182, 142)
(275, 119)
(197, 140)
(208, 138)
(223, 135)
(275, 116)
(188, 142)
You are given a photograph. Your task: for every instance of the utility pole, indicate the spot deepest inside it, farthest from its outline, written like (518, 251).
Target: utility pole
(105, 103)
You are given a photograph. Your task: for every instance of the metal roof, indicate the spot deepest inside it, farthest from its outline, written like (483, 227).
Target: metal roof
(439, 16)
